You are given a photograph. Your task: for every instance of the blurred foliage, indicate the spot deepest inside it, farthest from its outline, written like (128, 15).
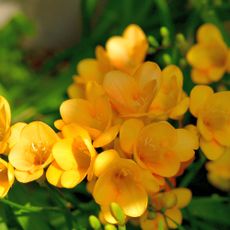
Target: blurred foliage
(37, 94)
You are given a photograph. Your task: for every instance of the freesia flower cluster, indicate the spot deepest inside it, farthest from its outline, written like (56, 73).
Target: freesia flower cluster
(116, 132)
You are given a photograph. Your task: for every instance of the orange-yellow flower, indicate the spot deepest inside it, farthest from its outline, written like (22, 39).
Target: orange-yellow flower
(32, 152)
(131, 95)
(213, 119)
(161, 148)
(6, 177)
(123, 53)
(210, 56)
(93, 114)
(128, 51)
(5, 119)
(219, 171)
(73, 158)
(121, 181)
(170, 101)
(166, 208)
(88, 70)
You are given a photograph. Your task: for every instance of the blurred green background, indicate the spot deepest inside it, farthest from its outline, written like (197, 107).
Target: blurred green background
(40, 44)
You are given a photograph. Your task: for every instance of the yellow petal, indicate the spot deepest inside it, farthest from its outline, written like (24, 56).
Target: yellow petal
(166, 169)
(184, 197)
(138, 44)
(128, 134)
(76, 91)
(26, 176)
(59, 124)
(179, 109)
(199, 56)
(209, 33)
(132, 198)
(15, 133)
(104, 161)
(89, 70)
(185, 145)
(198, 97)
(71, 178)
(200, 76)
(173, 71)
(76, 111)
(107, 136)
(204, 131)
(174, 217)
(117, 50)
(63, 154)
(53, 174)
(105, 191)
(147, 72)
(121, 89)
(103, 59)
(211, 149)
(150, 182)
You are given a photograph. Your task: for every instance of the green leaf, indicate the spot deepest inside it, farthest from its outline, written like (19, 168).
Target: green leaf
(211, 209)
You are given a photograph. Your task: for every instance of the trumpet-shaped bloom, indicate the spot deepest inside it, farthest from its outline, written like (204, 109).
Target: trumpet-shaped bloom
(170, 100)
(130, 95)
(171, 202)
(161, 148)
(128, 51)
(219, 171)
(93, 114)
(213, 119)
(89, 70)
(73, 158)
(6, 177)
(5, 119)
(209, 57)
(32, 152)
(121, 181)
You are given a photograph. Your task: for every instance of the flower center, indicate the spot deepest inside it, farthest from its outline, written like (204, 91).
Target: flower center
(40, 151)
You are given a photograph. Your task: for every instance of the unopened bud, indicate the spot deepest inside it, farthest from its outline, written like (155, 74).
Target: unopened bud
(94, 222)
(153, 41)
(117, 213)
(110, 227)
(167, 59)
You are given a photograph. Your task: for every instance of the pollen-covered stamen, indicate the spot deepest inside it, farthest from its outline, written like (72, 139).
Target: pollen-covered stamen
(41, 152)
(121, 174)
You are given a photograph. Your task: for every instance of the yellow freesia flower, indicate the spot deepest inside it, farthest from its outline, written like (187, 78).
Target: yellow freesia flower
(73, 158)
(32, 152)
(170, 101)
(209, 58)
(128, 51)
(161, 148)
(213, 119)
(5, 119)
(94, 114)
(6, 177)
(123, 53)
(219, 171)
(122, 181)
(166, 207)
(131, 95)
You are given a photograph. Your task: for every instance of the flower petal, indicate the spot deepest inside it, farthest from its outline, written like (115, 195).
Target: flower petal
(129, 132)
(211, 149)
(198, 97)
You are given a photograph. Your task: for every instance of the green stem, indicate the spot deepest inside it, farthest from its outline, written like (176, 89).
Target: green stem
(29, 208)
(193, 171)
(169, 183)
